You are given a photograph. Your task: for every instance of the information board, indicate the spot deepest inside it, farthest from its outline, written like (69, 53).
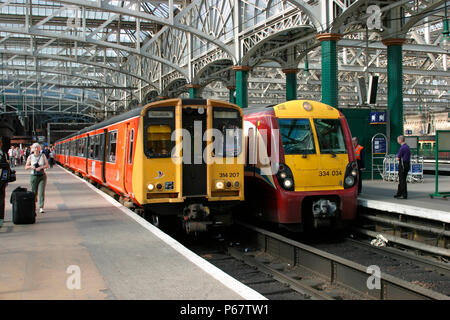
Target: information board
(379, 145)
(443, 138)
(412, 141)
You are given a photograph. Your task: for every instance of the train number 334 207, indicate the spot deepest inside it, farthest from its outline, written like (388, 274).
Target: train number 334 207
(324, 173)
(229, 174)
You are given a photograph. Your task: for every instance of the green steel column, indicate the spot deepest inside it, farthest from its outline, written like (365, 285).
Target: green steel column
(395, 91)
(329, 68)
(291, 84)
(241, 85)
(193, 90)
(231, 97)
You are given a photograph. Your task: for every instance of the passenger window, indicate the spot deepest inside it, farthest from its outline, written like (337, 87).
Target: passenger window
(98, 146)
(130, 156)
(159, 140)
(112, 144)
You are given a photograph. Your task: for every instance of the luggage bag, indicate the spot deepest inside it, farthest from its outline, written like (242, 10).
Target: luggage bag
(23, 206)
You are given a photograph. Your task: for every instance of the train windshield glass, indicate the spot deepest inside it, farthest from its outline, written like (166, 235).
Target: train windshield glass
(158, 140)
(159, 124)
(297, 136)
(330, 136)
(229, 123)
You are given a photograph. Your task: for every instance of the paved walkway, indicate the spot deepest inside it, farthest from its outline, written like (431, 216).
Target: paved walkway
(120, 255)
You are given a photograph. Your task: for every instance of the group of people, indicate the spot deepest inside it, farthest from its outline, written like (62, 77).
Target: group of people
(36, 160)
(404, 164)
(18, 155)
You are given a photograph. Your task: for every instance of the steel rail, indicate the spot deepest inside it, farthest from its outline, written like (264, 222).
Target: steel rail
(408, 243)
(338, 270)
(438, 266)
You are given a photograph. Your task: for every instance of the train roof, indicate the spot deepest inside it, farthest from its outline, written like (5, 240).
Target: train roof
(124, 116)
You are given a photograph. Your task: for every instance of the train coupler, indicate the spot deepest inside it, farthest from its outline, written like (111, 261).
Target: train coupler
(324, 211)
(195, 218)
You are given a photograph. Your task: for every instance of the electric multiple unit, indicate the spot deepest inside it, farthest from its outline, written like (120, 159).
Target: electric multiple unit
(178, 157)
(301, 171)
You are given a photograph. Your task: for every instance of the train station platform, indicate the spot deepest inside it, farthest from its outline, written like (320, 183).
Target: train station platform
(379, 195)
(87, 246)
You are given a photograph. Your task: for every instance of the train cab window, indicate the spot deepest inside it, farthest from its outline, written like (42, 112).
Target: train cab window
(159, 140)
(112, 146)
(229, 123)
(296, 136)
(330, 136)
(159, 125)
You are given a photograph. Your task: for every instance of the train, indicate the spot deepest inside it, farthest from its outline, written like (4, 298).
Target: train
(300, 166)
(426, 148)
(177, 158)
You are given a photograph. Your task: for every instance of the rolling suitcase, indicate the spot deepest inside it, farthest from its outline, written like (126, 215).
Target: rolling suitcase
(23, 206)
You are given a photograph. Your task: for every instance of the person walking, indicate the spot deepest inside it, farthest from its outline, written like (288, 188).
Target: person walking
(37, 162)
(18, 156)
(404, 163)
(359, 152)
(52, 157)
(12, 157)
(27, 154)
(46, 152)
(3, 185)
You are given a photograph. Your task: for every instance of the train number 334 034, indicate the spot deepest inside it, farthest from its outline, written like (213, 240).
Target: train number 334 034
(324, 173)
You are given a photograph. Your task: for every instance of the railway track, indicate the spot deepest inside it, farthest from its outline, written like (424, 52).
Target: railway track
(321, 274)
(284, 269)
(418, 234)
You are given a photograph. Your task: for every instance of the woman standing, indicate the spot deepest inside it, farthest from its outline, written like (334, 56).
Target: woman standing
(37, 161)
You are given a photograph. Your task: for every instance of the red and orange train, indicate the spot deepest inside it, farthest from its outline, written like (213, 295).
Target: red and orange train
(135, 155)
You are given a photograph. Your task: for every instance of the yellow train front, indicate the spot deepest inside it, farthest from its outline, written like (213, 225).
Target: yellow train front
(189, 161)
(301, 171)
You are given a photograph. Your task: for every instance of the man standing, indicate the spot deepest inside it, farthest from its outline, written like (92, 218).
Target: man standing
(2, 185)
(404, 163)
(359, 152)
(12, 156)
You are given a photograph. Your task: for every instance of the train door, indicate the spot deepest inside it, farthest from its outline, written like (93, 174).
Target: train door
(86, 153)
(194, 167)
(125, 148)
(103, 153)
(128, 157)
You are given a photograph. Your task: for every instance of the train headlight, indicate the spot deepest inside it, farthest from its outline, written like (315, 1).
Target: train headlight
(150, 187)
(288, 183)
(237, 184)
(159, 186)
(351, 174)
(283, 175)
(349, 181)
(228, 184)
(307, 106)
(219, 185)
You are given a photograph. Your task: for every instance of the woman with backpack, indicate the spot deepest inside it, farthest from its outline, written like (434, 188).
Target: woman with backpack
(37, 161)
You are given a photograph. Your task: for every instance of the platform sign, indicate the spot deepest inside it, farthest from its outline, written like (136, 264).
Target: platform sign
(379, 150)
(379, 145)
(413, 143)
(378, 117)
(442, 144)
